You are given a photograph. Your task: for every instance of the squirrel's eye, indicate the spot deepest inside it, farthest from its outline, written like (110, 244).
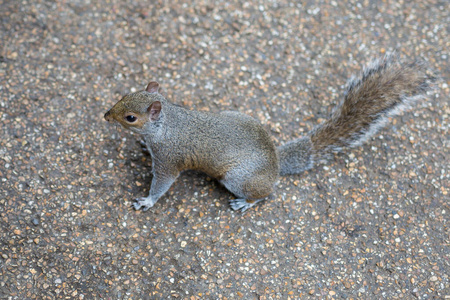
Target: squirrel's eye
(131, 118)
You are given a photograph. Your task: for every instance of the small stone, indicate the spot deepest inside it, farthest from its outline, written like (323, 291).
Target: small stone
(433, 278)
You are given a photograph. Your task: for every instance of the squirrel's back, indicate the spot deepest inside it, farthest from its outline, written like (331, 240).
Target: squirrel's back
(214, 142)
(384, 89)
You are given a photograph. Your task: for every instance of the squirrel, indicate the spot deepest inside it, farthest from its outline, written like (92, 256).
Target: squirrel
(235, 149)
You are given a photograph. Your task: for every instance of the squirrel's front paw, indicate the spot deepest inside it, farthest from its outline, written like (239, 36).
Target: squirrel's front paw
(144, 146)
(143, 203)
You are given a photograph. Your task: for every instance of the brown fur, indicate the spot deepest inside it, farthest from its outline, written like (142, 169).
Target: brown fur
(381, 90)
(384, 89)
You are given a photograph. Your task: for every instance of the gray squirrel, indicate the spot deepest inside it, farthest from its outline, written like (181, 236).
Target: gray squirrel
(236, 150)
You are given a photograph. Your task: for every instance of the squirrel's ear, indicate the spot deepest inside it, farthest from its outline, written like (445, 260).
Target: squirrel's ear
(152, 87)
(154, 110)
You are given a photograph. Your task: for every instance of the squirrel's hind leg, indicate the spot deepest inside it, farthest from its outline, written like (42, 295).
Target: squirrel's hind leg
(250, 191)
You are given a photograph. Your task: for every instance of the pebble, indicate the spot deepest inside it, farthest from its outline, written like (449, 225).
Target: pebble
(369, 223)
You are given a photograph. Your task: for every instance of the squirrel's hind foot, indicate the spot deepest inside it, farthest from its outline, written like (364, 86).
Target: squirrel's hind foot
(243, 204)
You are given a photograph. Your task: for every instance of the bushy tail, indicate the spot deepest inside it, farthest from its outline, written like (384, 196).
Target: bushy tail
(384, 89)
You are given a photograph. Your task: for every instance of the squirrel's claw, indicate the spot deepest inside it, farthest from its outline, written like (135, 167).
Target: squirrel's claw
(142, 203)
(242, 204)
(144, 147)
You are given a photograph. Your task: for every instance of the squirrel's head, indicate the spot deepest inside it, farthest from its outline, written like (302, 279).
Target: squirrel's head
(136, 109)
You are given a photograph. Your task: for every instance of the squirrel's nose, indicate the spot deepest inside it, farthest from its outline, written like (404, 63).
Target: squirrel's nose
(107, 116)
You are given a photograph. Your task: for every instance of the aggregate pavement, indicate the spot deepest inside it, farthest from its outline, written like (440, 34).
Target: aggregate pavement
(372, 223)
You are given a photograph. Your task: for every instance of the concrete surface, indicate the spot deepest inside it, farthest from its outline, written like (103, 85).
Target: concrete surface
(371, 224)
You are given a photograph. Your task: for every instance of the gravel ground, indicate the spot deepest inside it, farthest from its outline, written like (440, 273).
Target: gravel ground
(371, 224)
